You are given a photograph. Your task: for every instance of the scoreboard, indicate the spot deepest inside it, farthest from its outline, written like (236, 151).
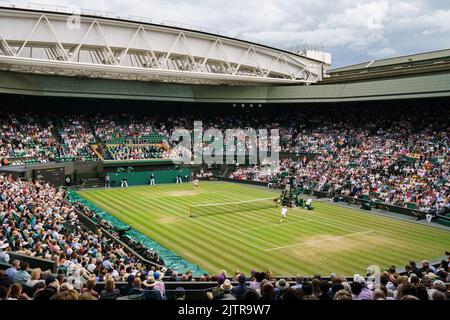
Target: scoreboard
(54, 176)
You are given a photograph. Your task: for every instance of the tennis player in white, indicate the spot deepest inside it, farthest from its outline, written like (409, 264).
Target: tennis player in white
(283, 214)
(196, 183)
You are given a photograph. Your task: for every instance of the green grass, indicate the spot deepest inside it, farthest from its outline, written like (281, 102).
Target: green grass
(328, 239)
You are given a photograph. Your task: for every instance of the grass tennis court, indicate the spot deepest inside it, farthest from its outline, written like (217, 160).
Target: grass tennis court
(328, 239)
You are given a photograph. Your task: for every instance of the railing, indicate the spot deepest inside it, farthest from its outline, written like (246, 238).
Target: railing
(34, 262)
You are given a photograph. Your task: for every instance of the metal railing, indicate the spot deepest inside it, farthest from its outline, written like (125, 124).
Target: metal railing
(134, 18)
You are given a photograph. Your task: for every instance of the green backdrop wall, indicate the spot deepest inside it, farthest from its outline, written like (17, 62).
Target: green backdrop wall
(143, 177)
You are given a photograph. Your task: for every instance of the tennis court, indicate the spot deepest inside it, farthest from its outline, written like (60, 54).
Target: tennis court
(239, 237)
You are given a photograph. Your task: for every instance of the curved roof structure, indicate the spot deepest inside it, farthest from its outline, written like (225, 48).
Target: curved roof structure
(56, 43)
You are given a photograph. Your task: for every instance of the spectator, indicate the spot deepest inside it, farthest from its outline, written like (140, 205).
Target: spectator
(16, 293)
(240, 290)
(267, 291)
(298, 282)
(51, 288)
(124, 290)
(149, 290)
(22, 276)
(34, 278)
(11, 271)
(180, 294)
(90, 287)
(3, 293)
(110, 292)
(226, 291)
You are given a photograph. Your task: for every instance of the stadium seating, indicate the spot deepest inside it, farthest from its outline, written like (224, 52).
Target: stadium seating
(358, 156)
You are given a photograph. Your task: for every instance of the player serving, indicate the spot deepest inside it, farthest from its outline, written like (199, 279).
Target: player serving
(283, 214)
(196, 183)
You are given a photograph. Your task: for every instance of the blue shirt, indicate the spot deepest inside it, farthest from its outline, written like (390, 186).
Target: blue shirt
(21, 277)
(11, 272)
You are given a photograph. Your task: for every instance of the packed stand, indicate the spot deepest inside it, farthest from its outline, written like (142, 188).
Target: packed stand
(36, 221)
(25, 139)
(76, 139)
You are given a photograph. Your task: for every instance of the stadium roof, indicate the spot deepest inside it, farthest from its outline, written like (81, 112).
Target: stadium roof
(407, 87)
(414, 63)
(45, 42)
(391, 62)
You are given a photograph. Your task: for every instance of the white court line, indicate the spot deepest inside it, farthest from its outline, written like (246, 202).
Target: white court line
(221, 232)
(321, 240)
(275, 225)
(190, 195)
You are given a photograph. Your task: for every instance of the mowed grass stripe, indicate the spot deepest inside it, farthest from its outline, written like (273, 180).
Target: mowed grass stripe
(392, 230)
(181, 238)
(399, 230)
(272, 216)
(178, 240)
(404, 242)
(224, 218)
(405, 239)
(356, 215)
(195, 239)
(229, 236)
(234, 244)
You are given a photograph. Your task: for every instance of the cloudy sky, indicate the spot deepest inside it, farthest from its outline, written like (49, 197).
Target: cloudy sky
(352, 30)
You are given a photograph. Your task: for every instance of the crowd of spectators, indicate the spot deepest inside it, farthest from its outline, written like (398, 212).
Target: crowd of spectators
(26, 136)
(395, 158)
(37, 221)
(136, 152)
(76, 139)
(396, 162)
(426, 282)
(417, 283)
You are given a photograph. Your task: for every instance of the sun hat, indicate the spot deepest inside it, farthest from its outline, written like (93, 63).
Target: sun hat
(438, 282)
(226, 285)
(150, 282)
(282, 284)
(360, 279)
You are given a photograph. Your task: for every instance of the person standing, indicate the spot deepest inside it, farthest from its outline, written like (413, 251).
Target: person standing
(308, 204)
(124, 182)
(152, 179)
(107, 182)
(283, 214)
(196, 183)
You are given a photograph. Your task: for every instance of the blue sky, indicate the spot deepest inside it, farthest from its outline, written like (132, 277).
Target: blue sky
(351, 30)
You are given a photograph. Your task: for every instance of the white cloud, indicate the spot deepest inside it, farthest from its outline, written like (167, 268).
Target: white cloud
(382, 53)
(350, 29)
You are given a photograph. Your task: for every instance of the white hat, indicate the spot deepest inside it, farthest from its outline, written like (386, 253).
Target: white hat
(439, 282)
(282, 284)
(4, 246)
(91, 268)
(115, 275)
(359, 279)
